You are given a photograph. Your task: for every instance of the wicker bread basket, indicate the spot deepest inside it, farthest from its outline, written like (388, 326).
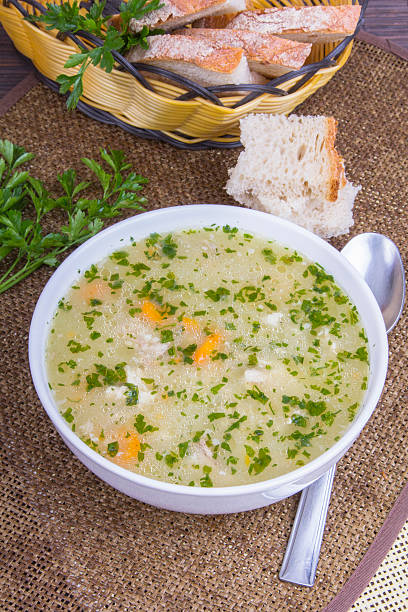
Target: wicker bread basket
(174, 110)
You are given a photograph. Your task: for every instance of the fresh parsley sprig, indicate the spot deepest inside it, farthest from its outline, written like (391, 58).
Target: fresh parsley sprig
(25, 204)
(67, 18)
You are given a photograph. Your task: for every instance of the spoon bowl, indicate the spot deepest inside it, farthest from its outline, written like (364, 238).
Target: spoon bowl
(378, 260)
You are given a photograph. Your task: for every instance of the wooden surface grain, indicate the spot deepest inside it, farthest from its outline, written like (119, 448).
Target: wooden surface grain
(386, 19)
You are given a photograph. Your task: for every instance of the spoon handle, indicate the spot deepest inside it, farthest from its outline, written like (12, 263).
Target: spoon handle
(302, 553)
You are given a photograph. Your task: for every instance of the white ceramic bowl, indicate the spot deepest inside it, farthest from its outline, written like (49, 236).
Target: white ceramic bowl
(219, 499)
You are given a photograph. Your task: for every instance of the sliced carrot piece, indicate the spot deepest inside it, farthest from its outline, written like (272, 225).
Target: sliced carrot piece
(95, 290)
(191, 325)
(129, 446)
(150, 312)
(203, 352)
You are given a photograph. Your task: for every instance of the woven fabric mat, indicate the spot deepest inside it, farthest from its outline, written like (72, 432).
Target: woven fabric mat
(70, 542)
(388, 590)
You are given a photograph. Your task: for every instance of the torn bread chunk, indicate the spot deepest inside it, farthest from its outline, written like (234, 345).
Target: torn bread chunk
(196, 59)
(312, 24)
(290, 168)
(266, 54)
(176, 13)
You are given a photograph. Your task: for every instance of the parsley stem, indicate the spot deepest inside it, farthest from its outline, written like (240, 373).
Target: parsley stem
(28, 268)
(11, 268)
(23, 273)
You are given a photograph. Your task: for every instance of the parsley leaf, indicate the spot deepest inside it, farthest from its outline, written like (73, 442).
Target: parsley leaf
(257, 395)
(299, 420)
(132, 394)
(23, 237)
(206, 481)
(183, 449)
(269, 255)
(260, 462)
(113, 448)
(216, 388)
(252, 359)
(142, 427)
(105, 39)
(166, 335)
(213, 416)
(236, 424)
(169, 247)
(217, 295)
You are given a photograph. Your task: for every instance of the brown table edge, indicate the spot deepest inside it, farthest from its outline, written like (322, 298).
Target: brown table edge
(383, 43)
(398, 515)
(14, 95)
(374, 556)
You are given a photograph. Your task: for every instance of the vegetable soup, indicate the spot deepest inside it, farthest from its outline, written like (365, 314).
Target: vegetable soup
(207, 357)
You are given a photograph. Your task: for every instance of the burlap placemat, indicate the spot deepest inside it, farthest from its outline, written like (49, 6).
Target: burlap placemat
(70, 542)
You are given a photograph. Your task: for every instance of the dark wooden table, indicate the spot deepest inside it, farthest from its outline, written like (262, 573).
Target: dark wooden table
(385, 19)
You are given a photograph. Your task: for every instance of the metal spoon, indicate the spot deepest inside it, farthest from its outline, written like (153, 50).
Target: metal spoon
(378, 260)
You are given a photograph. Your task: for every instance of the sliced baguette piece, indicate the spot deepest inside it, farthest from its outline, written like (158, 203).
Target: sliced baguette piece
(269, 55)
(290, 168)
(220, 21)
(196, 59)
(176, 13)
(313, 24)
(215, 21)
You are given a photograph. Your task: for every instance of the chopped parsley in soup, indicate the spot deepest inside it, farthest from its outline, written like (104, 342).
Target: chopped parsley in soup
(207, 357)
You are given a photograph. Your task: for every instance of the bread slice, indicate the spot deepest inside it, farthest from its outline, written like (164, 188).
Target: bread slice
(313, 24)
(196, 59)
(266, 54)
(290, 168)
(176, 13)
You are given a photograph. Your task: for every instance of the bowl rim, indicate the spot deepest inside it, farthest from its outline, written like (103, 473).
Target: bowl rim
(39, 325)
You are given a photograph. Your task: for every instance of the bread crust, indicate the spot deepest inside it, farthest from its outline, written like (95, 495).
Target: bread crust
(189, 7)
(309, 21)
(336, 177)
(191, 50)
(214, 21)
(263, 49)
(175, 13)
(116, 22)
(220, 21)
(171, 8)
